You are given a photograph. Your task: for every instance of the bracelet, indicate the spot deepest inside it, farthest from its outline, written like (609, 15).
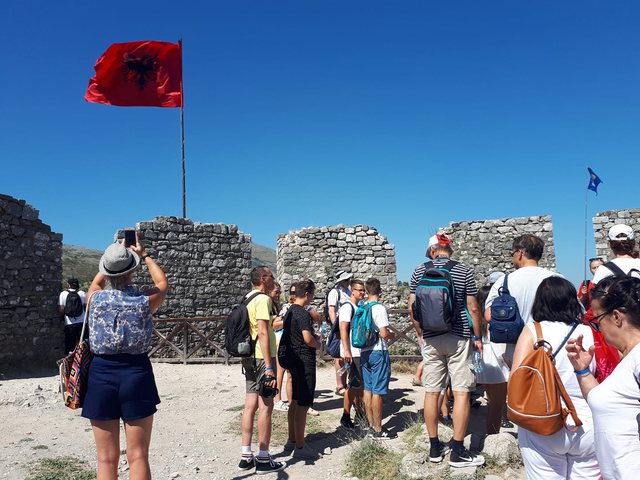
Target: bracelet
(268, 368)
(583, 372)
(477, 337)
(143, 257)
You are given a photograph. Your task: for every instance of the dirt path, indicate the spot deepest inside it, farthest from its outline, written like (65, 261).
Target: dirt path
(196, 428)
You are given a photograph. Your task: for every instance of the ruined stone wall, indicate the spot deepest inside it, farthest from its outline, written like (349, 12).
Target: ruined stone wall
(208, 267)
(485, 245)
(603, 221)
(30, 282)
(319, 252)
(207, 264)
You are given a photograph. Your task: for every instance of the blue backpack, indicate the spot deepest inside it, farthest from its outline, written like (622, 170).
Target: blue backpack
(435, 299)
(364, 332)
(506, 322)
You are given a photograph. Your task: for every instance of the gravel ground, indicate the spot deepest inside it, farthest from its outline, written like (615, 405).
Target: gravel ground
(195, 430)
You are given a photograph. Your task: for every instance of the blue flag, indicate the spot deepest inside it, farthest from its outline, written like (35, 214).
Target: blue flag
(594, 181)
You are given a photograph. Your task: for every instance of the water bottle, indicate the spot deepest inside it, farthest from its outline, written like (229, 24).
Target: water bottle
(344, 369)
(477, 363)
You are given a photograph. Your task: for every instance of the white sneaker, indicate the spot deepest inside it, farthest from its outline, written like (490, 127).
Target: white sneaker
(281, 405)
(313, 412)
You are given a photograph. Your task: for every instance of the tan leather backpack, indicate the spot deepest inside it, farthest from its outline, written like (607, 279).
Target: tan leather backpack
(535, 390)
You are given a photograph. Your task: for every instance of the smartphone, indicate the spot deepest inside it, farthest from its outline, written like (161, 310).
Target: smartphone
(129, 238)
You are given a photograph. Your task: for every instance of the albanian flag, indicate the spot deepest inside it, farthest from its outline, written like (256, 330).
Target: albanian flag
(138, 74)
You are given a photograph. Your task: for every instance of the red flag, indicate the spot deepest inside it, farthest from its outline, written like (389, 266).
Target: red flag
(142, 74)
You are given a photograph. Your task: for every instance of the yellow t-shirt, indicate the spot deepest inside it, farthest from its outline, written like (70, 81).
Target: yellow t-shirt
(260, 308)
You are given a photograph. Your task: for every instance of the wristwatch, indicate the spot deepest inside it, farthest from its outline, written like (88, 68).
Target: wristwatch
(144, 256)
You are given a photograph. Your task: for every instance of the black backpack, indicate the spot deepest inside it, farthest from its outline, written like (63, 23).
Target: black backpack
(237, 334)
(618, 272)
(73, 305)
(506, 323)
(435, 299)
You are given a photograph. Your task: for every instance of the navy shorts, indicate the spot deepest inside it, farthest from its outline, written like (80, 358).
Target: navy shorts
(120, 386)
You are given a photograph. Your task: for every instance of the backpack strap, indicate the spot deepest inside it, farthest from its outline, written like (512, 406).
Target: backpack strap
(247, 300)
(505, 285)
(575, 325)
(615, 269)
(571, 409)
(540, 341)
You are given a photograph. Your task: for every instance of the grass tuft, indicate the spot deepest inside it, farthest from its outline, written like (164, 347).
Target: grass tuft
(61, 468)
(370, 460)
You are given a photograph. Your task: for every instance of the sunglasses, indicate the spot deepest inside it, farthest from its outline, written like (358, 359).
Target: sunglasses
(595, 321)
(359, 290)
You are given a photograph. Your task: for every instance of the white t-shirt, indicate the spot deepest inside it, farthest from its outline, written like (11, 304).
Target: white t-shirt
(381, 319)
(615, 404)
(625, 265)
(62, 300)
(345, 314)
(338, 296)
(523, 285)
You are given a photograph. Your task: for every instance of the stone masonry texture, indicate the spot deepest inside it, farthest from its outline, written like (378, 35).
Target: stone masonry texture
(603, 221)
(318, 253)
(31, 330)
(207, 265)
(485, 245)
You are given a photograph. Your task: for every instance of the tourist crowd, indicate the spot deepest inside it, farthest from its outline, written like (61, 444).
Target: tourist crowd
(469, 336)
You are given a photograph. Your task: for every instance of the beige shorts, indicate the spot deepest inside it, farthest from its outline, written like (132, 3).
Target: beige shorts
(449, 355)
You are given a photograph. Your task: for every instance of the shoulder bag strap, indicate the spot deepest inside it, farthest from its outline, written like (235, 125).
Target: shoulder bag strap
(615, 269)
(86, 316)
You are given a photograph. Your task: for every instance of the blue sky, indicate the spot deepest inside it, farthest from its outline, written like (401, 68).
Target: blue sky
(401, 115)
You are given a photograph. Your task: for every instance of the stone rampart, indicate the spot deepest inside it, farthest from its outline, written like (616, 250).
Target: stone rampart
(31, 330)
(207, 264)
(603, 221)
(485, 245)
(319, 252)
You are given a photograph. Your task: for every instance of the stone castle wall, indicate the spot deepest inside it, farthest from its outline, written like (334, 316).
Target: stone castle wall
(207, 264)
(319, 252)
(208, 268)
(603, 221)
(485, 245)
(31, 329)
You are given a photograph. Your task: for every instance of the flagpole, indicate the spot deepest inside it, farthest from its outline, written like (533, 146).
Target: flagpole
(584, 263)
(184, 181)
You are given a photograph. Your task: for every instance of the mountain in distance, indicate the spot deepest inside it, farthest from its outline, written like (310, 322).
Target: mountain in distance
(82, 263)
(261, 255)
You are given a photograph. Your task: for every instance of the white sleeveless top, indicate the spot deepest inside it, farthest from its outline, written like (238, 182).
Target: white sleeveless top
(555, 333)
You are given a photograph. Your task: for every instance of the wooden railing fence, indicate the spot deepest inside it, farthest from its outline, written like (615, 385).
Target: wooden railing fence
(184, 340)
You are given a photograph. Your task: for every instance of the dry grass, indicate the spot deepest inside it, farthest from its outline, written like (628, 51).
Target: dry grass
(61, 468)
(370, 460)
(404, 366)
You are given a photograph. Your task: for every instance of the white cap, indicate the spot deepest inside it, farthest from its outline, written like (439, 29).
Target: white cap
(620, 231)
(438, 238)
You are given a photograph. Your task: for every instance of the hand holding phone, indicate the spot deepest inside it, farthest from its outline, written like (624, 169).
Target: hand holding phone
(129, 238)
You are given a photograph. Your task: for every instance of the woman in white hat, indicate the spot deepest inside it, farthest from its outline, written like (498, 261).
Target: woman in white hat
(121, 382)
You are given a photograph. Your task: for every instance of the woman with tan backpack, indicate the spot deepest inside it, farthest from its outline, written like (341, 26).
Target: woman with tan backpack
(615, 402)
(563, 447)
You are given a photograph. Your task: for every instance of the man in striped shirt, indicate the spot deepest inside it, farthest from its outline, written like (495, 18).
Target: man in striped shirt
(449, 354)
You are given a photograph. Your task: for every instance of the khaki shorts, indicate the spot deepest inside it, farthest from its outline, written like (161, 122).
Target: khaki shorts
(447, 354)
(254, 370)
